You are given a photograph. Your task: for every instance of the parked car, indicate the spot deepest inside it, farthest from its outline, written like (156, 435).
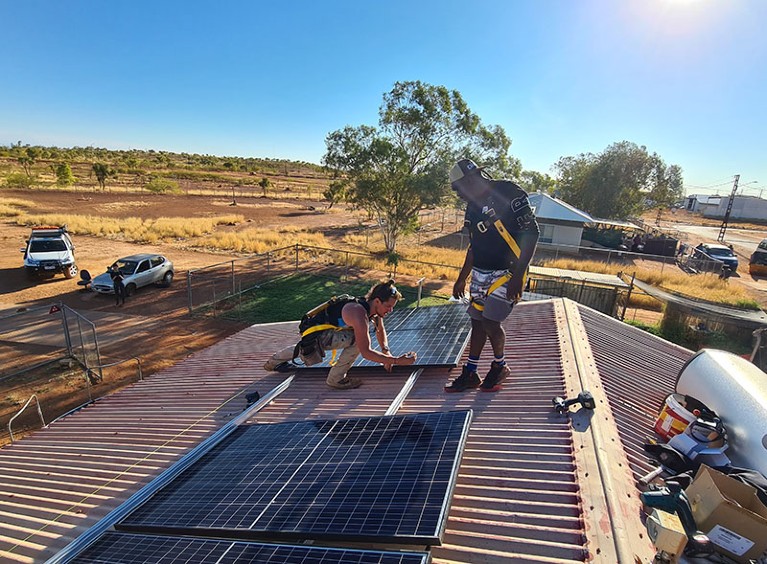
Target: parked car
(720, 252)
(757, 265)
(138, 271)
(49, 250)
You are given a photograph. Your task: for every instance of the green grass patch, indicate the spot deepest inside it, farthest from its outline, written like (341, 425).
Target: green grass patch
(290, 297)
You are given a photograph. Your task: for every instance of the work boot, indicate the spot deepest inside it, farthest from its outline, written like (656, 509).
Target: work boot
(277, 365)
(496, 375)
(468, 380)
(345, 383)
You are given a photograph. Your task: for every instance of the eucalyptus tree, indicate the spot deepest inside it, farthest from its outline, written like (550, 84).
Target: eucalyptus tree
(395, 169)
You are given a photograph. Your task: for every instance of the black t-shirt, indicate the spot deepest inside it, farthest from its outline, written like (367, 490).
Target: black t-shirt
(509, 203)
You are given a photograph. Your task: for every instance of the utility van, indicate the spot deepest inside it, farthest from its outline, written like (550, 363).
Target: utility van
(49, 250)
(757, 265)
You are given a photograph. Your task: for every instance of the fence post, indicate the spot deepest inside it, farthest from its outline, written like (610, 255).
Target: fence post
(420, 290)
(346, 268)
(189, 290)
(234, 286)
(296, 257)
(628, 297)
(65, 327)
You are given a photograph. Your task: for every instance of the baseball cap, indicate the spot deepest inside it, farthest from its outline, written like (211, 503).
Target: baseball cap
(463, 168)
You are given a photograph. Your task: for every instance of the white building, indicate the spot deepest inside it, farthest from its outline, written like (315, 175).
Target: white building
(743, 207)
(702, 202)
(560, 223)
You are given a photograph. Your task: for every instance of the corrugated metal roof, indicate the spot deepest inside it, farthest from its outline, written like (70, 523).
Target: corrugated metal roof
(534, 486)
(580, 276)
(545, 207)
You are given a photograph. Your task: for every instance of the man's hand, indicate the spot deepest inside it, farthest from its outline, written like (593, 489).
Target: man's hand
(459, 288)
(514, 288)
(406, 359)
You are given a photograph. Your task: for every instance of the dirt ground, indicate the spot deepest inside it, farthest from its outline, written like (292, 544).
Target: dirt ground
(154, 324)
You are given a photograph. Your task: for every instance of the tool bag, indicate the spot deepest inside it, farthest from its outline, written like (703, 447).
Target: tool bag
(311, 326)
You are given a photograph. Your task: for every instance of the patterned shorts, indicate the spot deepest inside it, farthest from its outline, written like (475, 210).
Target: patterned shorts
(485, 304)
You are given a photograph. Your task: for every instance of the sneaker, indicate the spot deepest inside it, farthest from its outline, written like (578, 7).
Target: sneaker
(345, 384)
(496, 375)
(468, 380)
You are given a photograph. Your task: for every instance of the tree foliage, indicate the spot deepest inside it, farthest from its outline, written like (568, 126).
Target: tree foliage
(534, 181)
(264, 183)
(401, 166)
(622, 181)
(19, 180)
(28, 158)
(162, 186)
(102, 172)
(64, 176)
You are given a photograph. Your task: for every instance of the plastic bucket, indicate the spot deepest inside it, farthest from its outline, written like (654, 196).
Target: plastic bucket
(673, 418)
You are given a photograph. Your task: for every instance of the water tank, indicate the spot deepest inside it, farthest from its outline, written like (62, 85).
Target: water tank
(737, 391)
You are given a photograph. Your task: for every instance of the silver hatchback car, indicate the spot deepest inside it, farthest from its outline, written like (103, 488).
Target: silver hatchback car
(138, 271)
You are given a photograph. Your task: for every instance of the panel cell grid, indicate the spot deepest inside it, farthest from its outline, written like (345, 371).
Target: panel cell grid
(386, 479)
(126, 548)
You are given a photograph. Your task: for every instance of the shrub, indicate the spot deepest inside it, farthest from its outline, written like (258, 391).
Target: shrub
(163, 186)
(19, 180)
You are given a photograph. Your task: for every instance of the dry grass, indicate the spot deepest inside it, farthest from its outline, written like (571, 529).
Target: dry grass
(14, 207)
(262, 240)
(703, 286)
(132, 228)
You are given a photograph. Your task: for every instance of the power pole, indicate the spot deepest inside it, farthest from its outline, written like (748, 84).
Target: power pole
(723, 228)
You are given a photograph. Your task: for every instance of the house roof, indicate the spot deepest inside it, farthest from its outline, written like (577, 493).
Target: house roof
(547, 207)
(580, 276)
(533, 485)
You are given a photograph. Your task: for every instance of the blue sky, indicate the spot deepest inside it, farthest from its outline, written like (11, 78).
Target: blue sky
(685, 78)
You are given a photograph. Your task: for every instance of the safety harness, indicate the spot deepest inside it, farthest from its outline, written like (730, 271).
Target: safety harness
(321, 318)
(482, 227)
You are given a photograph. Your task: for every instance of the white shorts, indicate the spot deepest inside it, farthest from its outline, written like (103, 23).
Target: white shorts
(485, 304)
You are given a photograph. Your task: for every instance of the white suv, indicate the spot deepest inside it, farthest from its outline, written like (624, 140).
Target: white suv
(49, 250)
(138, 271)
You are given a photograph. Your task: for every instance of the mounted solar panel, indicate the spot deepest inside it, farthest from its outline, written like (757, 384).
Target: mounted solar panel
(126, 548)
(438, 334)
(379, 479)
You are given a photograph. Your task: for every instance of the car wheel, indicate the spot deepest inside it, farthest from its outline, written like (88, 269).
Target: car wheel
(167, 279)
(130, 289)
(70, 271)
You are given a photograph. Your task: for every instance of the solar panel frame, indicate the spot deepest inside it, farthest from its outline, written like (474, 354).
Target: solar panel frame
(378, 479)
(438, 335)
(131, 548)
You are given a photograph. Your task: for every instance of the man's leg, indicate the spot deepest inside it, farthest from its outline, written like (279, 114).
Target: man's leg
(337, 377)
(497, 309)
(284, 355)
(496, 334)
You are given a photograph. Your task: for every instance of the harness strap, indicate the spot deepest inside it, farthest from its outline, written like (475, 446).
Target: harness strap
(320, 327)
(508, 238)
(495, 285)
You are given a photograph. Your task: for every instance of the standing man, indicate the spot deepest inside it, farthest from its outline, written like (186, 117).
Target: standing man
(344, 323)
(503, 234)
(118, 284)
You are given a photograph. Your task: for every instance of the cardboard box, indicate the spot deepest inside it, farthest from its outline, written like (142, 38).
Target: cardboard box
(730, 513)
(667, 534)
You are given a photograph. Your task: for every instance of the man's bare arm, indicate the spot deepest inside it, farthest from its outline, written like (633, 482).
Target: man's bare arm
(356, 317)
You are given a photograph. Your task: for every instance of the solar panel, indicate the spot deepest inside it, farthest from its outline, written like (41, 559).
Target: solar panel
(380, 479)
(125, 548)
(438, 335)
